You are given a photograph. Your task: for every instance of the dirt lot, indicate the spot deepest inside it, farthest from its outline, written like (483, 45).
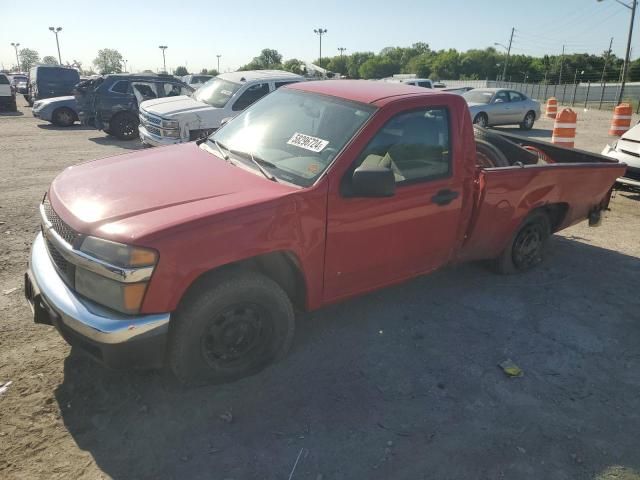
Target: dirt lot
(400, 384)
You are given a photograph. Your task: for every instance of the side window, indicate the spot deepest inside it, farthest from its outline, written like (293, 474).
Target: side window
(424, 84)
(250, 95)
(414, 145)
(174, 89)
(515, 97)
(283, 83)
(4, 80)
(121, 86)
(501, 95)
(144, 91)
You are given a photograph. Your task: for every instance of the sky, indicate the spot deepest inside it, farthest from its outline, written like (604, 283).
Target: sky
(196, 31)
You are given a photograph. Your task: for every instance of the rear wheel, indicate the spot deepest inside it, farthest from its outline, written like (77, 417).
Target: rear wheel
(488, 156)
(125, 126)
(481, 120)
(529, 120)
(527, 248)
(514, 152)
(63, 117)
(230, 327)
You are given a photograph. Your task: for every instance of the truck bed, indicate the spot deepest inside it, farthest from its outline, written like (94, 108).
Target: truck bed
(575, 184)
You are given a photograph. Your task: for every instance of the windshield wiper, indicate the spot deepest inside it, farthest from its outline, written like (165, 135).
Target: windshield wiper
(220, 146)
(259, 162)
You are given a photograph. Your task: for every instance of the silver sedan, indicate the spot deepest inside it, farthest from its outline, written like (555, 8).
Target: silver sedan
(500, 106)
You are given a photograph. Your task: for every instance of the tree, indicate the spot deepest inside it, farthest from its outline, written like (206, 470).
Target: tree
(354, 62)
(108, 61)
(213, 72)
(268, 59)
(28, 58)
(50, 60)
(181, 71)
(294, 65)
(379, 67)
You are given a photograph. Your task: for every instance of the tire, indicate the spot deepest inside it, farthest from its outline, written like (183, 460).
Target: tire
(511, 150)
(527, 247)
(488, 156)
(529, 120)
(481, 120)
(125, 126)
(243, 308)
(63, 117)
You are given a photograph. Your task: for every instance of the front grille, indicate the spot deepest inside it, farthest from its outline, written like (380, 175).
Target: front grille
(59, 226)
(150, 118)
(65, 269)
(153, 130)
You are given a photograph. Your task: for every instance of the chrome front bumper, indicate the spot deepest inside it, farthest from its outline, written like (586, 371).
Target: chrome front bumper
(115, 339)
(155, 140)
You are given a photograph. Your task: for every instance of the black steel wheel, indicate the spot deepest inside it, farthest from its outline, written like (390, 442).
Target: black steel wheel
(527, 247)
(230, 326)
(125, 126)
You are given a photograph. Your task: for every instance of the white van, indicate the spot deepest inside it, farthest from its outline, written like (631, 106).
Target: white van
(7, 95)
(169, 120)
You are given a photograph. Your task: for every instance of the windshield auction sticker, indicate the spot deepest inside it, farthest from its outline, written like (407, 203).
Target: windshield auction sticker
(308, 142)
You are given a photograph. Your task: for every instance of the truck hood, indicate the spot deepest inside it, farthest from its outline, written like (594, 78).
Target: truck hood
(135, 195)
(633, 134)
(169, 107)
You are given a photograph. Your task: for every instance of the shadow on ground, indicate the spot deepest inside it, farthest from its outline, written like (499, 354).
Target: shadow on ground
(111, 140)
(4, 113)
(403, 384)
(70, 128)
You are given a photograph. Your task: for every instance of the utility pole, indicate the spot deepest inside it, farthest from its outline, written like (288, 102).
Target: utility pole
(561, 63)
(506, 61)
(164, 62)
(627, 57)
(15, 46)
(56, 30)
(125, 64)
(320, 32)
(606, 60)
(341, 49)
(218, 62)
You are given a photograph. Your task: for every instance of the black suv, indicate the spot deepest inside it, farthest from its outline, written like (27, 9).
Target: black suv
(110, 103)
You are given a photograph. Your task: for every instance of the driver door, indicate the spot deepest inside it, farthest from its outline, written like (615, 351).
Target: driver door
(500, 111)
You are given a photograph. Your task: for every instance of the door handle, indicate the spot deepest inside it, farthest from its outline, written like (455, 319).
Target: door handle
(444, 197)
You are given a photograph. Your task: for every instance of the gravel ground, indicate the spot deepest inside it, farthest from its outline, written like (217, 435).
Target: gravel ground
(401, 384)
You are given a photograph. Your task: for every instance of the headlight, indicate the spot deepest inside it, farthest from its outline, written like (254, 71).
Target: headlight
(170, 124)
(123, 297)
(36, 105)
(118, 253)
(120, 296)
(171, 133)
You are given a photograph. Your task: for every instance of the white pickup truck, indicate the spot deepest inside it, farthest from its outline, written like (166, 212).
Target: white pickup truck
(177, 119)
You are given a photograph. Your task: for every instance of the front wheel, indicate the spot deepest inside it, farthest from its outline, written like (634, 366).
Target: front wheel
(125, 126)
(63, 117)
(527, 247)
(230, 327)
(529, 120)
(481, 120)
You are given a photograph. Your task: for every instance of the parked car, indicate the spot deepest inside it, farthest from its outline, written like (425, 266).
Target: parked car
(195, 255)
(20, 82)
(111, 103)
(439, 85)
(47, 81)
(61, 111)
(166, 121)
(7, 94)
(196, 81)
(627, 149)
(501, 106)
(418, 82)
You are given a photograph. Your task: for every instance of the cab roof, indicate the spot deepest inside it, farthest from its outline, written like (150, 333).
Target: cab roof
(252, 75)
(363, 91)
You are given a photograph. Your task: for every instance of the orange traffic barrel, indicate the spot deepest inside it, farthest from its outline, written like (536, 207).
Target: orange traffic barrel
(621, 120)
(564, 128)
(552, 107)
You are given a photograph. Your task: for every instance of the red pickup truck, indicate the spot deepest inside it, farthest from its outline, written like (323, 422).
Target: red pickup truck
(195, 256)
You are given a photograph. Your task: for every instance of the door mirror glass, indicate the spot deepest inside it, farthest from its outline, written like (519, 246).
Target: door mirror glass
(373, 181)
(498, 100)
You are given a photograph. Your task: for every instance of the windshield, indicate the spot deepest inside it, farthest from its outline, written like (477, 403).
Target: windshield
(216, 92)
(478, 96)
(294, 135)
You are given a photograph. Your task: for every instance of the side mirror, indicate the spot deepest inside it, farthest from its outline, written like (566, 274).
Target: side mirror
(498, 100)
(224, 121)
(370, 181)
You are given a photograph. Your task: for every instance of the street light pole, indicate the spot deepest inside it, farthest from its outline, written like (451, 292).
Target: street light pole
(56, 30)
(164, 61)
(320, 32)
(625, 65)
(15, 46)
(508, 49)
(218, 62)
(125, 65)
(341, 49)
